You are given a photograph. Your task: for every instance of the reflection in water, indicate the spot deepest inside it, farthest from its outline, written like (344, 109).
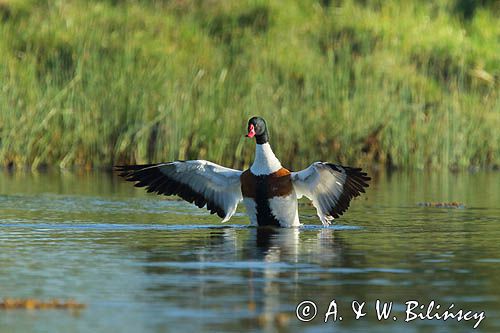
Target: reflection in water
(275, 246)
(268, 259)
(281, 246)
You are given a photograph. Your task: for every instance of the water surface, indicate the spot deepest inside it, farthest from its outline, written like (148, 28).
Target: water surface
(145, 264)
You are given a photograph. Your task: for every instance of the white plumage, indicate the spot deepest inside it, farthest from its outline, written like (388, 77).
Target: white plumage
(265, 161)
(330, 187)
(286, 210)
(198, 181)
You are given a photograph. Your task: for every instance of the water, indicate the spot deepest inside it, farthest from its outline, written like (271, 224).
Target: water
(144, 264)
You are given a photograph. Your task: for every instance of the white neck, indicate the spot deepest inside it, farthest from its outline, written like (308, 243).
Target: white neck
(265, 161)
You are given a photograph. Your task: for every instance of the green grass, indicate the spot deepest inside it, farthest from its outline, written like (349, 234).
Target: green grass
(96, 83)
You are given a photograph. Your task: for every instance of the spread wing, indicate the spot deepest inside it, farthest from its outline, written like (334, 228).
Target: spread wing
(200, 182)
(330, 187)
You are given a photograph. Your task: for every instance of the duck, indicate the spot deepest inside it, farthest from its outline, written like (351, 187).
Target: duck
(269, 191)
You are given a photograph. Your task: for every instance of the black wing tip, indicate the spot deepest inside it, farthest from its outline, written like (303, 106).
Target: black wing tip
(357, 174)
(146, 175)
(355, 184)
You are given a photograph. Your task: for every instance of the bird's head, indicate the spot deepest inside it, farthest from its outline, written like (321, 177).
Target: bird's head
(257, 128)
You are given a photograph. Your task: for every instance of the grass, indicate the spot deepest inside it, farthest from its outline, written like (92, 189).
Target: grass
(402, 84)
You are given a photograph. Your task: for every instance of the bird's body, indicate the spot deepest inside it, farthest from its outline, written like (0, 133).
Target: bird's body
(268, 191)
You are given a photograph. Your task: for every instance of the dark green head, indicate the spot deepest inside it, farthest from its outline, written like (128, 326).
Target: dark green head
(257, 128)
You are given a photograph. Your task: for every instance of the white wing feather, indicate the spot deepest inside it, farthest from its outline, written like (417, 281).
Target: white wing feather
(201, 182)
(330, 187)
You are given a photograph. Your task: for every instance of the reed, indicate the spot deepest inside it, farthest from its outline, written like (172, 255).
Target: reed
(97, 83)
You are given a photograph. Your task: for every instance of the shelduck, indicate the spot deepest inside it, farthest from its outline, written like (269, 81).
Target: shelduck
(269, 191)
